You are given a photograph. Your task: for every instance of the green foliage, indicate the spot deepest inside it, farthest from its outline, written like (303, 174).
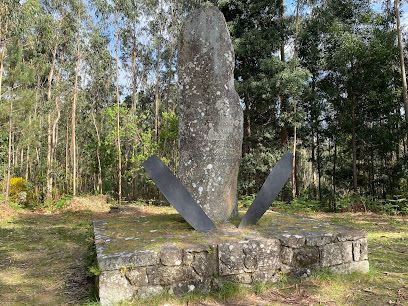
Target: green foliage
(246, 200)
(169, 129)
(228, 290)
(62, 202)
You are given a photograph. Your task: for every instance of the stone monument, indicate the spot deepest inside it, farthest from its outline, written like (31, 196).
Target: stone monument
(210, 114)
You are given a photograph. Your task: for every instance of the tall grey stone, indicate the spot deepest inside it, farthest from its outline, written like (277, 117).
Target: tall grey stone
(210, 114)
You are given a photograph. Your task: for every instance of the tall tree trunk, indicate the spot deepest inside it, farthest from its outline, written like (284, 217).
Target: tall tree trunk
(56, 120)
(248, 136)
(294, 174)
(157, 93)
(98, 154)
(3, 52)
(74, 106)
(295, 157)
(283, 100)
(134, 97)
(313, 160)
(401, 53)
(9, 149)
(134, 75)
(3, 55)
(48, 175)
(319, 172)
(403, 74)
(118, 113)
(28, 152)
(67, 157)
(354, 145)
(171, 56)
(49, 94)
(334, 175)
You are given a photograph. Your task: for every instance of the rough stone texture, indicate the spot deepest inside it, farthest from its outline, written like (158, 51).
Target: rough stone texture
(292, 241)
(360, 266)
(244, 278)
(317, 239)
(336, 253)
(306, 257)
(231, 258)
(137, 276)
(348, 235)
(170, 255)
(114, 287)
(165, 275)
(205, 264)
(148, 291)
(286, 255)
(227, 254)
(261, 254)
(115, 261)
(199, 285)
(210, 114)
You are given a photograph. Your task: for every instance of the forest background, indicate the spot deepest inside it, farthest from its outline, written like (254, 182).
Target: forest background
(88, 91)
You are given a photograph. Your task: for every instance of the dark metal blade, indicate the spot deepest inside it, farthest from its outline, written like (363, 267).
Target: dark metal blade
(177, 194)
(270, 189)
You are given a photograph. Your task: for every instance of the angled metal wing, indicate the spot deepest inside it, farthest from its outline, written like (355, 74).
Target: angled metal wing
(270, 189)
(177, 194)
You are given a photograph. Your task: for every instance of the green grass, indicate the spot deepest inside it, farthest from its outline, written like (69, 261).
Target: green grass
(44, 259)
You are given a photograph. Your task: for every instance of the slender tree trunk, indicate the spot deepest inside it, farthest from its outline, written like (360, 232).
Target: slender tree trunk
(55, 130)
(134, 97)
(74, 106)
(118, 113)
(171, 57)
(21, 161)
(295, 157)
(249, 136)
(3, 53)
(313, 160)
(401, 53)
(9, 149)
(98, 154)
(334, 175)
(134, 75)
(157, 93)
(27, 158)
(372, 167)
(354, 145)
(48, 176)
(67, 157)
(49, 91)
(403, 74)
(294, 174)
(248, 122)
(319, 172)
(283, 100)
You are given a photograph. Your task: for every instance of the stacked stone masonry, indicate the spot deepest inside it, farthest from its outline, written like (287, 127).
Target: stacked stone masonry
(202, 267)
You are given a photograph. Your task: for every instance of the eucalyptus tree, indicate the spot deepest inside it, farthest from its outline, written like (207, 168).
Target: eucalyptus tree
(350, 52)
(99, 92)
(264, 80)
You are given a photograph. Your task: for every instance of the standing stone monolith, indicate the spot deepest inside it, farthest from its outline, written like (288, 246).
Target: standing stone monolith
(210, 114)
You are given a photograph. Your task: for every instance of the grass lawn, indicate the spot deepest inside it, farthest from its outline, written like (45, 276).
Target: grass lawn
(43, 259)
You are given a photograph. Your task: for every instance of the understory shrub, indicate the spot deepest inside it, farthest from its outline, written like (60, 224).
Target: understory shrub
(20, 191)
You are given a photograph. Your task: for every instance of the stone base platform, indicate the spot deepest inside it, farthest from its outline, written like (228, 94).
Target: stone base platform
(141, 256)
